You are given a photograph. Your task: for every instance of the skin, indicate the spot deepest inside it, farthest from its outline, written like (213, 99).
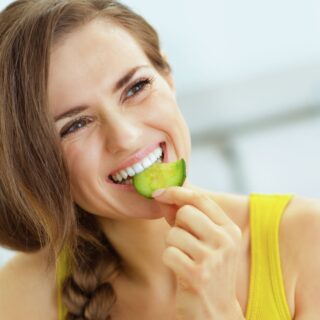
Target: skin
(172, 265)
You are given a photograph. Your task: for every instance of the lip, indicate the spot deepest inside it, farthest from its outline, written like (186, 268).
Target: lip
(136, 158)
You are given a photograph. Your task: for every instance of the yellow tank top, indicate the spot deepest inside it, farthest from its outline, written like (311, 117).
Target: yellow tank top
(267, 299)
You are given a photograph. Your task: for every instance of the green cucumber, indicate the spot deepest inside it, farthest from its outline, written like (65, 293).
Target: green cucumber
(159, 176)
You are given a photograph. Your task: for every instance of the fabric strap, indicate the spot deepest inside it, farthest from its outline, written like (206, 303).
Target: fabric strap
(267, 298)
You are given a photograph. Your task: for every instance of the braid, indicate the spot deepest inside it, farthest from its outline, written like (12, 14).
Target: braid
(87, 291)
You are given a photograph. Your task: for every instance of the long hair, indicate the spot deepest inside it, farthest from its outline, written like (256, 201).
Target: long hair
(36, 205)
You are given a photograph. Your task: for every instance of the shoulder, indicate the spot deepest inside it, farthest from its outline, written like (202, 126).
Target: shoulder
(302, 209)
(27, 288)
(300, 226)
(300, 238)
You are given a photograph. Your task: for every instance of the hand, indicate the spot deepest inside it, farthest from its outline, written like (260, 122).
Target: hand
(203, 252)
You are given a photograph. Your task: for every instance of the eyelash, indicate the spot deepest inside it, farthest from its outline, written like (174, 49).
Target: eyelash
(67, 131)
(142, 83)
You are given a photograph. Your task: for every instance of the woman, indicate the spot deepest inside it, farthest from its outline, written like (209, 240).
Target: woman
(86, 95)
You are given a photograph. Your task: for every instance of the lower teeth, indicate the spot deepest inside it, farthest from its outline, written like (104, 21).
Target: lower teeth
(128, 181)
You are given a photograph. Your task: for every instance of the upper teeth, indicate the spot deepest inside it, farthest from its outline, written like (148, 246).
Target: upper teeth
(138, 167)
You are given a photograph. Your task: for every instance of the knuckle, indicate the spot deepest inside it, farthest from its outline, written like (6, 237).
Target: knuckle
(175, 191)
(231, 247)
(187, 207)
(206, 251)
(216, 235)
(229, 244)
(215, 261)
(197, 196)
(235, 232)
(201, 275)
(168, 254)
(184, 212)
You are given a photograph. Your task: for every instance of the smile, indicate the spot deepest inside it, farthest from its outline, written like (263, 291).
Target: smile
(125, 176)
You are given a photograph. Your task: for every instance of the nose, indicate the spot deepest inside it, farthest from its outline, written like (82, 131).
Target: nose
(121, 133)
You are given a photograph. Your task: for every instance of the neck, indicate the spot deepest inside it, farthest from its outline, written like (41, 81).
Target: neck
(140, 244)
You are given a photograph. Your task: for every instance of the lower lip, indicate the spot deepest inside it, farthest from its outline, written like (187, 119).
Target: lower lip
(130, 187)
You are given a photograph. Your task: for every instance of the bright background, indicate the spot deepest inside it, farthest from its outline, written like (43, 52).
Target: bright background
(248, 82)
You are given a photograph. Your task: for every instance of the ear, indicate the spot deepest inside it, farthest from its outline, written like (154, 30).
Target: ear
(168, 77)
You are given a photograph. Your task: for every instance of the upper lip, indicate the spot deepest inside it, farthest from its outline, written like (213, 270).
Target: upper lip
(135, 158)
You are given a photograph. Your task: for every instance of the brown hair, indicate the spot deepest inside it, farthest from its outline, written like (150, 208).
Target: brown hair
(36, 206)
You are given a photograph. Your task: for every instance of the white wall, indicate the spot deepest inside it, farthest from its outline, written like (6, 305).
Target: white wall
(210, 42)
(5, 255)
(248, 82)
(281, 160)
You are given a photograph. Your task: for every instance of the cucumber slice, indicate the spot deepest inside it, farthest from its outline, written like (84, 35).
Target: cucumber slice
(159, 176)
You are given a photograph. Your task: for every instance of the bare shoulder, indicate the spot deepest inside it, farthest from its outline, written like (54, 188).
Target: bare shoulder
(27, 288)
(302, 209)
(300, 225)
(300, 238)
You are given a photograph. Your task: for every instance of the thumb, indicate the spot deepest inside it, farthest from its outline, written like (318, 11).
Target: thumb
(159, 194)
(168, 195)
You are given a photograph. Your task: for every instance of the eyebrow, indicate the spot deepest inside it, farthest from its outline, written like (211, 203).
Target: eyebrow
(70, 113)
(119, 84)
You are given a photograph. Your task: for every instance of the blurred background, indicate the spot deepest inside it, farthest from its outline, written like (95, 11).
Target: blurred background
(248, 83)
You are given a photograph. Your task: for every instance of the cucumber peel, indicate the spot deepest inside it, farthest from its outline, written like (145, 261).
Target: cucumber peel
(160, 176)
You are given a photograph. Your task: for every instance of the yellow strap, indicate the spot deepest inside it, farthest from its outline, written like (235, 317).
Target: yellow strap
(62, 272)
(267, 299)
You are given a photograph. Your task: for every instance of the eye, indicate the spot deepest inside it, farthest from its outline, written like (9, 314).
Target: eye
(139, 86)
(74, 126)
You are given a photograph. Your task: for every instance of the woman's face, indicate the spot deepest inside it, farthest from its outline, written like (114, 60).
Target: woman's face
(112, 110)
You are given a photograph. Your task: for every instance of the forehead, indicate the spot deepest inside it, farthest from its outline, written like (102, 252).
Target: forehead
(97, 53)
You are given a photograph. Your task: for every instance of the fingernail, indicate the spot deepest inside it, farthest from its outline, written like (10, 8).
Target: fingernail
(157, 193)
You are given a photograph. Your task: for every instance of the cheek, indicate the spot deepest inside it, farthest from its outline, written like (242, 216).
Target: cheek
(81, 159)
(161, 110)
(166, 116)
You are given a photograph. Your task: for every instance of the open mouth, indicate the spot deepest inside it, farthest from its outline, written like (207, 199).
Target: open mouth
(125, 176)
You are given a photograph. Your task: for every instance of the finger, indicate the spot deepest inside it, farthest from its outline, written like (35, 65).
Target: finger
(179, 263)
(187, 243)
(200, 226)
(181, 196)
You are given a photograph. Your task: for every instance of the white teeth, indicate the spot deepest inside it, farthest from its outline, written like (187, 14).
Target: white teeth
(153, 157)
(146, 162)
(124, 174)
(138, 168)
(158, 152)
(130, 172)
